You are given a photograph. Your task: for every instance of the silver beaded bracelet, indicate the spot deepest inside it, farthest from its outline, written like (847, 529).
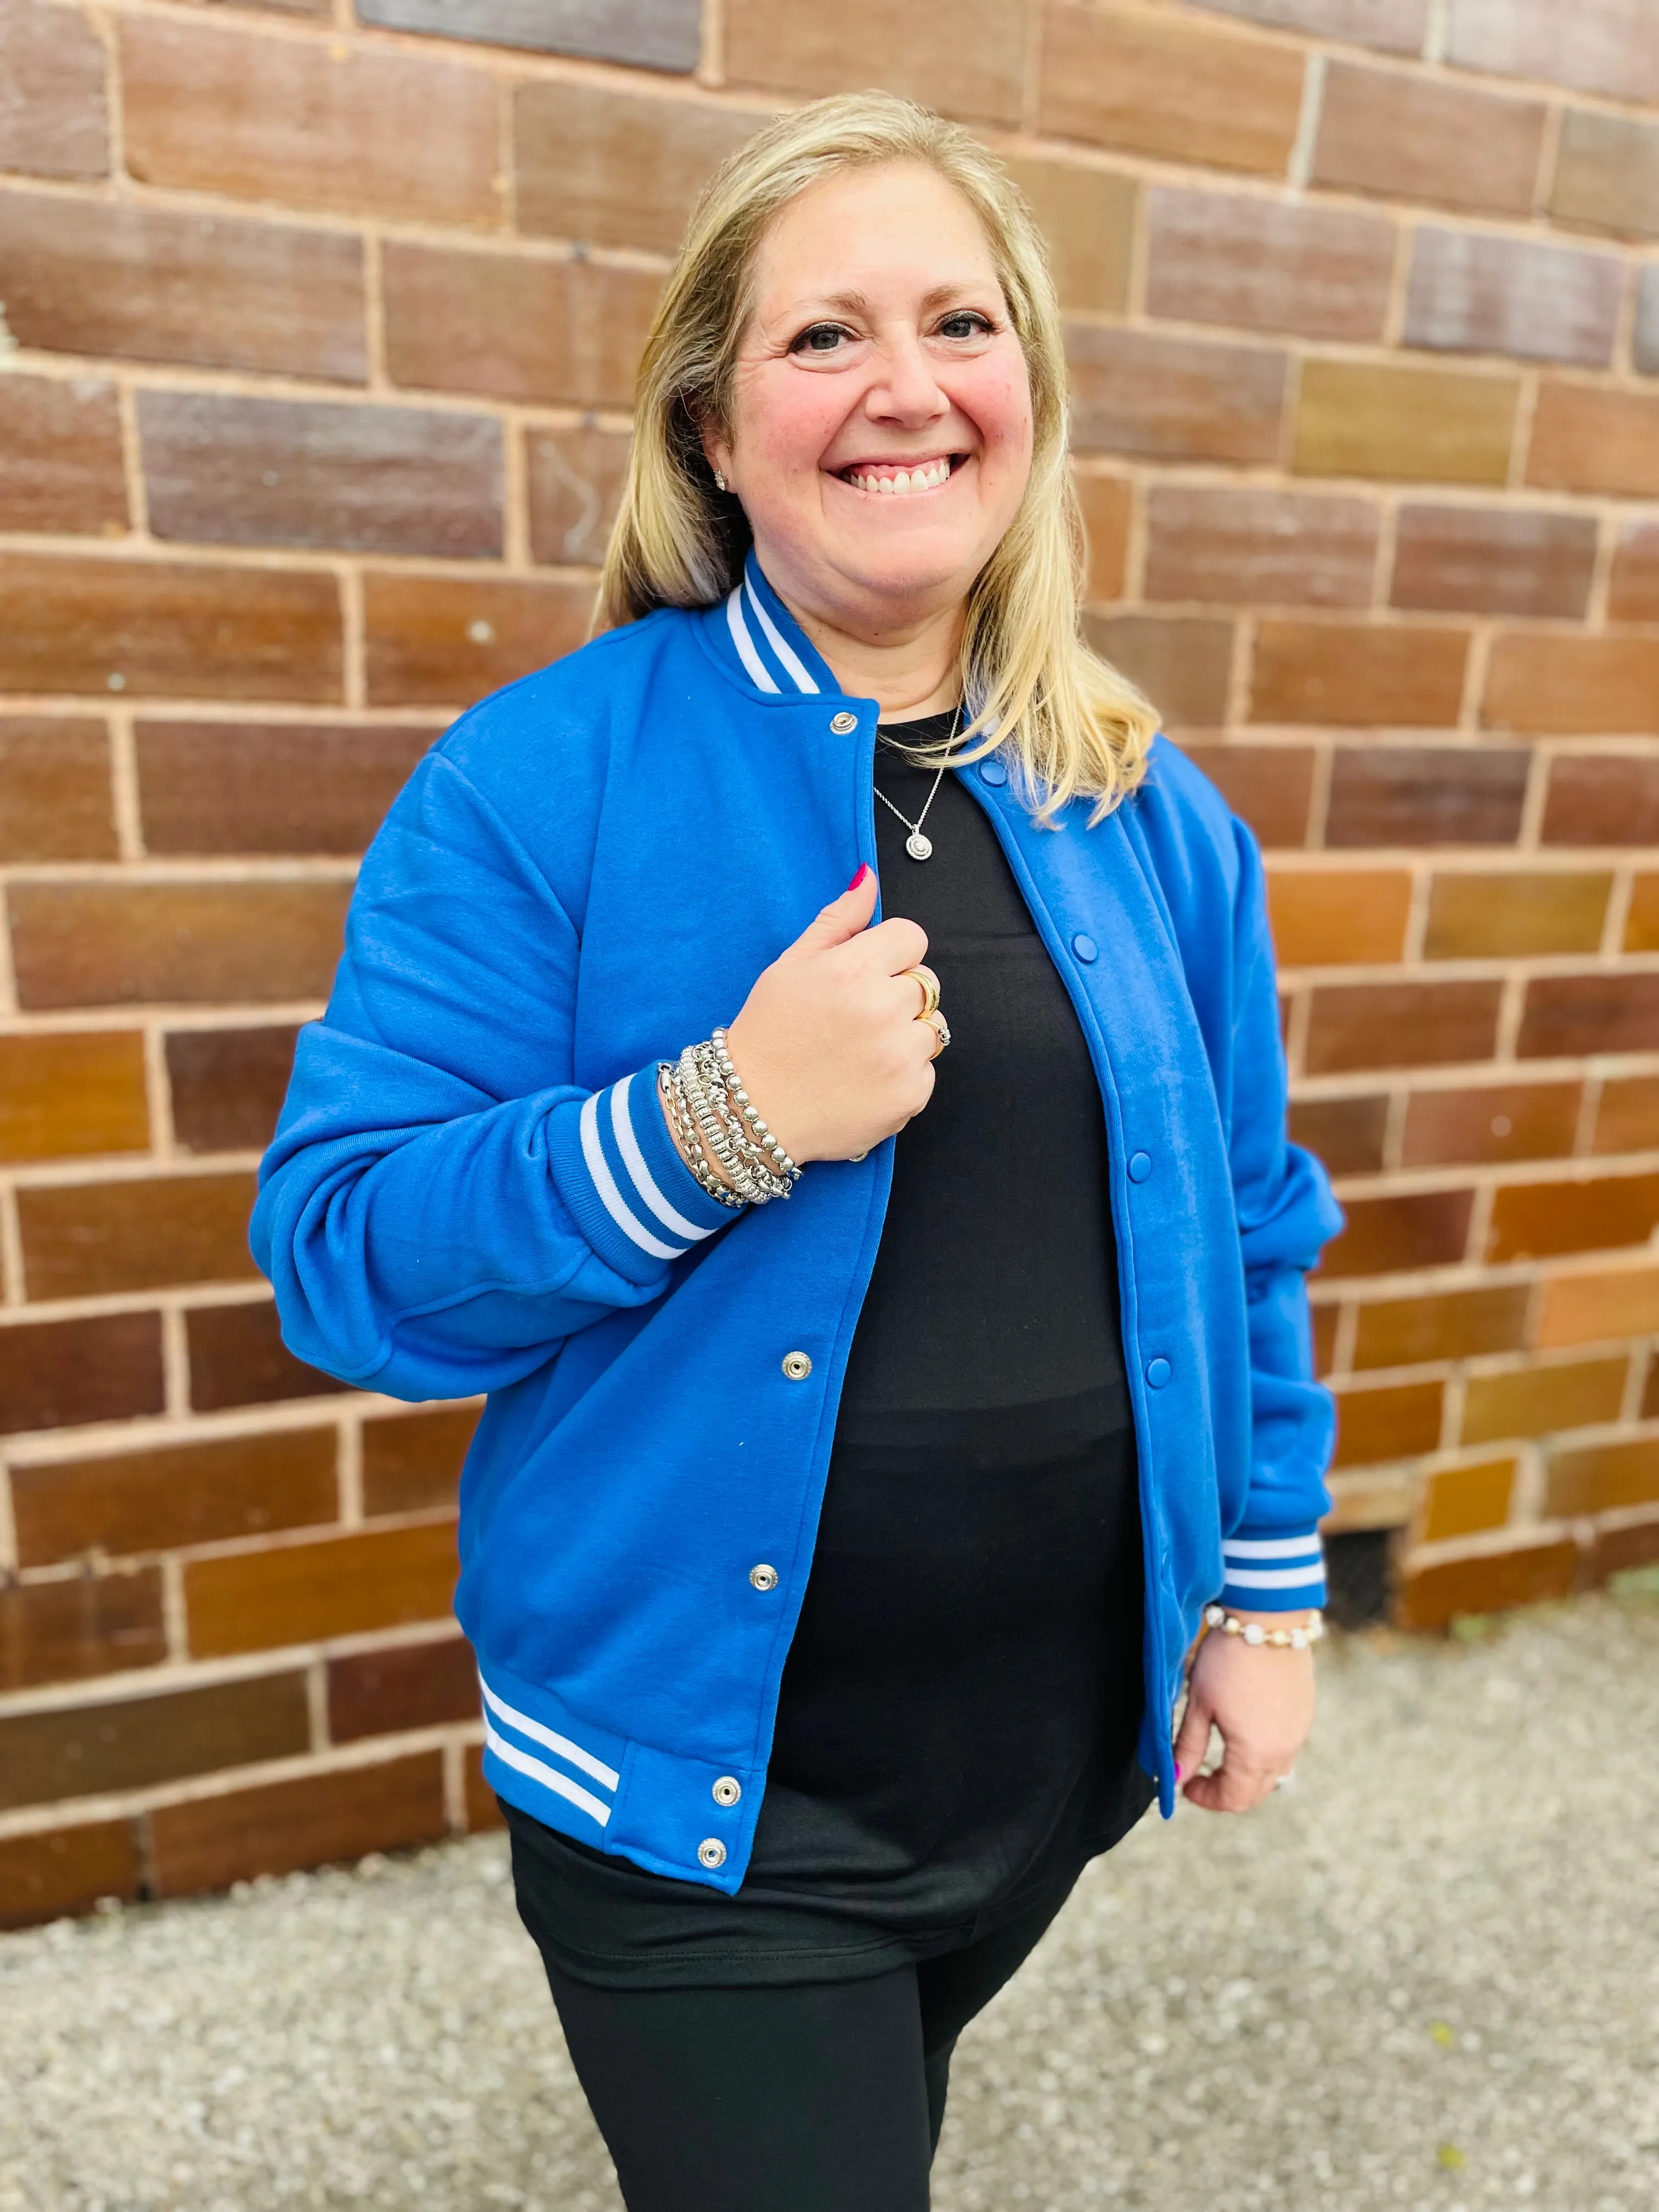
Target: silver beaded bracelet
(713, 1118)
(1279, 1640)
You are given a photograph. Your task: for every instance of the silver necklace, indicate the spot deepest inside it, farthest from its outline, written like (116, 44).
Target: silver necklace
(919, 845)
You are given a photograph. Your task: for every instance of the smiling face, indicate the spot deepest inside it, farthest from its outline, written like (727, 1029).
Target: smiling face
(881, 433)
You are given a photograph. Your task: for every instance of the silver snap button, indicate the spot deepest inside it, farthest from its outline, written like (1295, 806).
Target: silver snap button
(796, 1366)
(763, 1577)
(843, 724)
(712, 1851)
(727, 1790)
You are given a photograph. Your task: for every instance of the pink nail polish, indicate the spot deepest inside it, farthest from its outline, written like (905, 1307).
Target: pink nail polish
(860, 873)
(1177, 1770)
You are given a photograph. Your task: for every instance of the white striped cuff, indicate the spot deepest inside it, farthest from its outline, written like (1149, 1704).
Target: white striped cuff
(635, 1196)
(1274, 1574)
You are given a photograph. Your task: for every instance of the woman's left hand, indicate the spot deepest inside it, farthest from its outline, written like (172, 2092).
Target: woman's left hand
(1262, 1698)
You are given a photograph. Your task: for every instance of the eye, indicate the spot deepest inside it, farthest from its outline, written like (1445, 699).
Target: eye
(821, 338)
(965, 323)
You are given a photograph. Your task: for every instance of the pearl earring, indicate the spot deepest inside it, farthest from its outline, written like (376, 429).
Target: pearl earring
(720, 481)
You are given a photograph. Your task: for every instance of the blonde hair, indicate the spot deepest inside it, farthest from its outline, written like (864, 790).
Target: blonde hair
(1077, 725)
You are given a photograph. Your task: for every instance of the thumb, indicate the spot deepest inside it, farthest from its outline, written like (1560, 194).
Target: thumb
(1192, 1744)
(844, 917)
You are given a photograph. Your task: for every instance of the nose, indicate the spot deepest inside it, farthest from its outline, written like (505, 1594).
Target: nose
(905, 389)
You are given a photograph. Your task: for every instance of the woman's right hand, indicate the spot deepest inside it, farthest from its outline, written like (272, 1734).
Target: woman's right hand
(828, 1044)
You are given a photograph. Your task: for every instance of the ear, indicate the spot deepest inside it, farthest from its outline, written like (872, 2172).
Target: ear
(716, 450)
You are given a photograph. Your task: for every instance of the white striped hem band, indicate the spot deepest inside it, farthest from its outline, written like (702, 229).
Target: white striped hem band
(1274, 1577)
(1272, 1547)
(513, 1755)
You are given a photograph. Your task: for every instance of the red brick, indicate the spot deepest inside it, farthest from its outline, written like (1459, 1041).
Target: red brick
(1567, 1016)
(88, 1625)
(1488, 1582)
(412, 1461)
(1270, 787)
(651, 34)
(211, 1842)
(179, 1494)
(1619, 1551)
(1493, 560)
(229, 1085)
(1589, 437)
(1155, 85)
(1357, 1025)
(1500, 1121)
(1259, 548)
(1460, 1501)
(1644, 338)
(52, 121)
(56, 798)
(1541, 1401)
(1172, 398)
(1601, 1478)
(444, 639)
(231, 471)
(412, 1685)
(1324, 1322)
(56, 1373)
(1602, 798)
(1612, 45)
(1107, 506)
(1533, 1220)
(1627, 1117)
(617, 168)
(482, 1810)
(247, 787)
(1421, 795)
(87, 1240)
(237, 1357)
(1397, 1421)
(1496, 917)
(516, 326)
(1450, 1325)
(1268, 265)
(362, 129)
(572, 484)
(1591, 1308)
(1353, 672)
(1324, 918)
(1183, 666)
(91, 945)
(1607, 174)
(1347, 1134)
(149, 284)
(1547, 682)
(964, 56)
(302, 1593)
(63, 1096)
(1475, 294)
(1357, 418)
(86, 624)
(65, 1871)
(1395, 26)
(1415, 137)
(1633, 589)
(60, 453)
(1390, 1236)
(130, 1743)
(1087, 217)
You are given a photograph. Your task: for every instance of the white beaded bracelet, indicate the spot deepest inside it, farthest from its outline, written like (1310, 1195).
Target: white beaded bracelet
(1279, 1640)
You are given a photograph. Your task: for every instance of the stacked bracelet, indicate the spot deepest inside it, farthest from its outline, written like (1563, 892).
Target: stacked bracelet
(713, 1119)
(1280, 1639)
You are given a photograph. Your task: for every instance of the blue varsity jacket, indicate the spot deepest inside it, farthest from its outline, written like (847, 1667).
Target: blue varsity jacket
(471, 1189)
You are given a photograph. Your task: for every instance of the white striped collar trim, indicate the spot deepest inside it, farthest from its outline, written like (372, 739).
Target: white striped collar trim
(792, 660)
(609, 1196)
(755, 633)
(1272, 1547)
(745, 644)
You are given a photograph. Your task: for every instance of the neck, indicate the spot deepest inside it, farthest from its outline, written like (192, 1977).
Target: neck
(909, 670)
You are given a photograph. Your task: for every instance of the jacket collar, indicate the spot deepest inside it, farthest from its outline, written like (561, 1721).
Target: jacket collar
(760, 641)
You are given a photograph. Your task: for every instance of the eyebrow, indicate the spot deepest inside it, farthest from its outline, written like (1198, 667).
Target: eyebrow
(856, 303)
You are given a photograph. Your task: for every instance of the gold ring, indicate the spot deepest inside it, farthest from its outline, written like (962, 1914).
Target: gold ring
(940, 1027)
(929, 983)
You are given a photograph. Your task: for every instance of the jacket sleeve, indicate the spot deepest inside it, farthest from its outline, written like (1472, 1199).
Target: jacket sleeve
(442, 1204)
(1274, 1559)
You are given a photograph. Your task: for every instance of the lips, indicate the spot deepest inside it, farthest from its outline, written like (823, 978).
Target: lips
(902, 479)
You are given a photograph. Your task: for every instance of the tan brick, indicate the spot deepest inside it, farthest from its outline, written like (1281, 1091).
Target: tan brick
(1460, 1501)
(1548, 682)
(1323, 918)
(1628, 1115)
(209, 1843)
(412, 1461)
(964, 56)
(1539, 1219)
(1607, 174)
(362, 131)
(1540, 1401)
(1395, 26)
(1633, 589)
(1181, 664)
(1423, 138)
(1361, 419)
(237, 1357)
(1499, 1121)
(87, 1240)
(1349, 672)
(1591, 1308)
(1087, 216)
(63, 1096)
(1611, 46)
(229, 1085)
(1475, 294)
(484, 1810)
(616, 169)
(1449, 1325)
(411, 1685)
(130, 1743)
(1620, 1550)
(1169, 398)
(1355, 1025)
(56, 799)
(169, 627)
(1387, 1235)
(53, 118)
(432, 639)
(110, 944)
(60, 455)
(150, 283)
(1488, 1582)
(516, 326)
(1427, 795)
(1107, 505)
(1346, 1134)
(1323, 1321)
(178, 1494)
(1155, 85)
(237, 471)
(1269, 786)
(1493, 917)
(1259, 548)
(1395, 1421)
(1641, 922)
(1644, 338)
(56, 1373)
(247, 787)
(1602, 798)
(1588, 437)
(1564, 1017)
(302, 1593)
(1601, 1478)
(47, 1875)
(1267, 264)
(89, 1625)
(1493, 560)
(574, 486)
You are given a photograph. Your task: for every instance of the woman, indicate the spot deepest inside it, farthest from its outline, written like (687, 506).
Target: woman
(865, 1436)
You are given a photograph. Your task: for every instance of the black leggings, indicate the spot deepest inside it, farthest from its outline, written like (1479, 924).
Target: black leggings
(815, 2097)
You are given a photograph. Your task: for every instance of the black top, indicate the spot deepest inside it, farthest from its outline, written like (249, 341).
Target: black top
(958, 1712)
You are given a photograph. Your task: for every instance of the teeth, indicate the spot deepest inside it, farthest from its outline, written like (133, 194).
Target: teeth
(903, 481)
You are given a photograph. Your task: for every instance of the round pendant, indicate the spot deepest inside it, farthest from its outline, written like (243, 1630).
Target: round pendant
(918, 847)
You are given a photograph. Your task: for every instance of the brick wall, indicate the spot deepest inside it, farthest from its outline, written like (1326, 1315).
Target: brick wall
(318, 338)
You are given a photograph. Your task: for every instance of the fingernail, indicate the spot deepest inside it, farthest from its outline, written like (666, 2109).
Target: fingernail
(1177, 1770)
(858, 875)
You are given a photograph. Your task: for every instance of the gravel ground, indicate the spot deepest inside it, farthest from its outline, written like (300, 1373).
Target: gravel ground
(1426, 1977)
